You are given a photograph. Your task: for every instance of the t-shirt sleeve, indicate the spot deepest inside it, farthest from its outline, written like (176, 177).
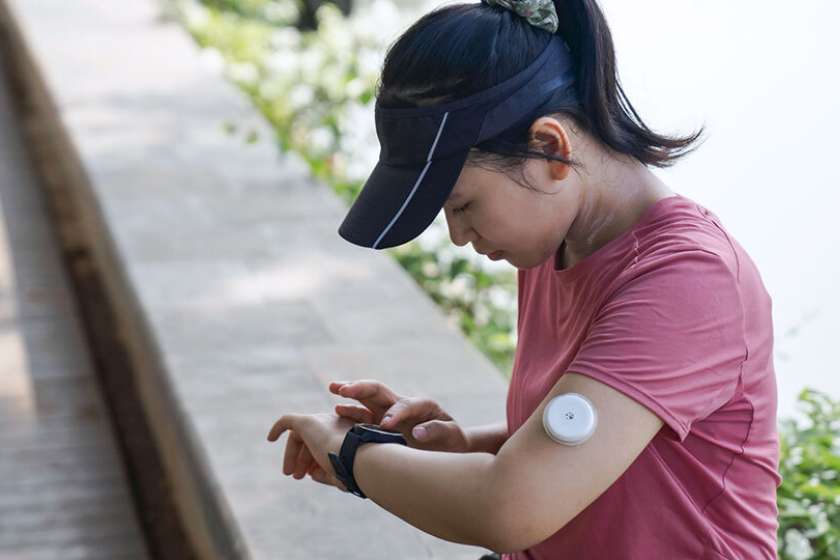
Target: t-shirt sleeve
(670, 337)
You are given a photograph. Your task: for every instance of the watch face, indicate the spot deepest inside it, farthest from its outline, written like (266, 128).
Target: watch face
(376, 428)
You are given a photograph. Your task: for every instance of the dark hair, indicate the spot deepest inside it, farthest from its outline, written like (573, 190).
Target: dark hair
(460, 49)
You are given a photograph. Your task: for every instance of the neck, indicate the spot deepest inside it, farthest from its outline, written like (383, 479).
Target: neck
(608, 208)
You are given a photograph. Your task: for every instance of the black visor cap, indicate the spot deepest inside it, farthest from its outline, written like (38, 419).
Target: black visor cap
(423, 149)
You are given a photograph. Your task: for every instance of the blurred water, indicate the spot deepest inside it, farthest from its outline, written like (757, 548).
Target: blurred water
(762, 77)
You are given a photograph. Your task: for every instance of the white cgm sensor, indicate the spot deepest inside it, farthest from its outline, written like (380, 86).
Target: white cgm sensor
(570, 418)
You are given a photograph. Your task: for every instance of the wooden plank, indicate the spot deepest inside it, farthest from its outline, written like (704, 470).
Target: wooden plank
(62, 488)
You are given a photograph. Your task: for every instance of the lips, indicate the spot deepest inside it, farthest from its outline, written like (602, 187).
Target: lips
(495, 256)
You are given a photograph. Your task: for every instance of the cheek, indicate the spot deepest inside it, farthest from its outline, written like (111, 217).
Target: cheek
(507, 228)
(495, 220)
(535, 232)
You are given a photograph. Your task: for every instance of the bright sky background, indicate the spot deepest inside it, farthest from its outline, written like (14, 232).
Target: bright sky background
(763, 78)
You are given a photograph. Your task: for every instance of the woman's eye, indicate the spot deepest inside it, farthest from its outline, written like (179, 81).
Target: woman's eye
(461, 209)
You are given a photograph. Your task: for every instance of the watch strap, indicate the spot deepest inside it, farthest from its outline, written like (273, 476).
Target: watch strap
(343, 463)
(356, 436)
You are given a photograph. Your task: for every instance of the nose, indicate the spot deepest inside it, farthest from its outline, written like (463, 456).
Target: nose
(459, 233)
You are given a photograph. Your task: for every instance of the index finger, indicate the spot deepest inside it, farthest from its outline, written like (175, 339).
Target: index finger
(284, 423)
(371, 393)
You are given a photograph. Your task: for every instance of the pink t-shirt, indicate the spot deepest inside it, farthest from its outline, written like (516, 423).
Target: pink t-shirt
(672, 313)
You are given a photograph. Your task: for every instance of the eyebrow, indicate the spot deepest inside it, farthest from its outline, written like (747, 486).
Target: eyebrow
(453, 197)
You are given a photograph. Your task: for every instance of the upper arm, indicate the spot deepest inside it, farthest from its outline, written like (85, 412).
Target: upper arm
(541, 484)
(666, 348)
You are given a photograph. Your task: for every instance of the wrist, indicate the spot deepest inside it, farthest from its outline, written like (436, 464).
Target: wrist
(353, 441)
(486, 438)
(469, 435)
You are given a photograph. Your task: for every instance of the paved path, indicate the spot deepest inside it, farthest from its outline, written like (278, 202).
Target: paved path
(63, 492)
(238, 291)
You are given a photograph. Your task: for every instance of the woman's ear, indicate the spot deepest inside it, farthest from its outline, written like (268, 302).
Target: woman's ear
(550, 137)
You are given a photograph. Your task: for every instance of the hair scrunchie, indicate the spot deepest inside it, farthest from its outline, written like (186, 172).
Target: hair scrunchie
(539, 13)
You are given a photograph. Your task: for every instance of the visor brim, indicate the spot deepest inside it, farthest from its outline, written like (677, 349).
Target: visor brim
(397, 203)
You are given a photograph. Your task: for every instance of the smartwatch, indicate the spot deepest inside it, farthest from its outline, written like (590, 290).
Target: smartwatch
(356, 436)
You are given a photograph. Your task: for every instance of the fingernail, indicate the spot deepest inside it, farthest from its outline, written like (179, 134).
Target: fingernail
(419, 432)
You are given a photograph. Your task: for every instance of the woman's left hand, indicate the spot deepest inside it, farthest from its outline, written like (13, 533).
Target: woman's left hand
(311, 438)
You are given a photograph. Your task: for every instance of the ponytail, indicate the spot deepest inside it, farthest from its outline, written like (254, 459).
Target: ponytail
(606, 111)
(459, 49)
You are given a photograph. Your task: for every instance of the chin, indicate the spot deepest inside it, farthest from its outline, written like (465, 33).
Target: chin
(524, 266)
(520, 265)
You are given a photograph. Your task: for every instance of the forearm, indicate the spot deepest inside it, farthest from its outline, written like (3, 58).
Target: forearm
(449, 495)
(488, 438)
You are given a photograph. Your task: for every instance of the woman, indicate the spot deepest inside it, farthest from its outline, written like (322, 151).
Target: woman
(630, 294)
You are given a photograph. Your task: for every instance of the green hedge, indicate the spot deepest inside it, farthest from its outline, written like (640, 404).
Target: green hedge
(809, 497)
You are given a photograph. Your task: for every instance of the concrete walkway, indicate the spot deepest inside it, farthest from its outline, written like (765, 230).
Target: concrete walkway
(63, 492)
(244, 298)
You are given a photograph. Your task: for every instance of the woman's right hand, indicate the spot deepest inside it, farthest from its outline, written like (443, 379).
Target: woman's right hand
(380, 405)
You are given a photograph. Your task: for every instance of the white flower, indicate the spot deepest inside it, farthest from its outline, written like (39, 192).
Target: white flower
(282, 11)
(369, 63)
(431, 269)
(459, 287)
(333, 30)
(272, 88)
(195, 13)
(355, 87)
(285, 37)
(321, 139)
(243, 72)
(380, 22)
(300, 95)
(311, 63)
(357, 140)
(482, 315)
(286, 64)
(797, 545)
(500, 297)
(332, 80)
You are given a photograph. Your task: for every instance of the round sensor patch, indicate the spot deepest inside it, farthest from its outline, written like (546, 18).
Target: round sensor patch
(570, 418)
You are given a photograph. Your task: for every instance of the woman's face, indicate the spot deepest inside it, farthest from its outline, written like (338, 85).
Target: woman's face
(490, 210)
